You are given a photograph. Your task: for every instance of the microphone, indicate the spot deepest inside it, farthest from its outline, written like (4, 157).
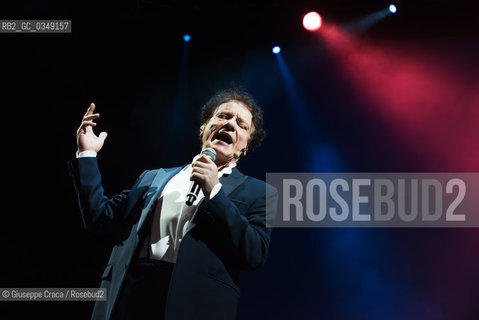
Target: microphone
(195, 187)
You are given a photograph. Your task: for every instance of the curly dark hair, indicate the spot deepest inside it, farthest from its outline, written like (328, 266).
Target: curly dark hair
(247, 99)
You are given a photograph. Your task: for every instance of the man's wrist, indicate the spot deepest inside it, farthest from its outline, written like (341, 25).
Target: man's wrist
(215, 190)
(86, 153)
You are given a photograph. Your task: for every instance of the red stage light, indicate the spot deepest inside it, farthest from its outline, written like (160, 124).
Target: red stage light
(312, 21)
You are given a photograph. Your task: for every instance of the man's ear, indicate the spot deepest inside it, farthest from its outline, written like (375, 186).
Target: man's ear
(241, 153)
(245, 150)
(202, 129)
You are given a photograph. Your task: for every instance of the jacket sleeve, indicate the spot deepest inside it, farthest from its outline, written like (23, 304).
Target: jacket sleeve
(101, 215)
(247, 233)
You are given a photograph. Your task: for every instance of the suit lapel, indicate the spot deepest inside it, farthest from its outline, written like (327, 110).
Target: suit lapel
(157, 185)
(232, 181)
(229, 183)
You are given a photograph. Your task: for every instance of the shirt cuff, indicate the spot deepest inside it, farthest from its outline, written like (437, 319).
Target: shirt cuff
(215, 190)
(87, 153)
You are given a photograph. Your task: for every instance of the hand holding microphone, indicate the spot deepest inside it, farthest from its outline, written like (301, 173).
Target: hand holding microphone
(204, 175)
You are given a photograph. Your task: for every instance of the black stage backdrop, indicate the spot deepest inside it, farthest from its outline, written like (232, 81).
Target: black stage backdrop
(148, 85)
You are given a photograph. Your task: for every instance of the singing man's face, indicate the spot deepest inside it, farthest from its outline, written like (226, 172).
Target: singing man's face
(228, 131)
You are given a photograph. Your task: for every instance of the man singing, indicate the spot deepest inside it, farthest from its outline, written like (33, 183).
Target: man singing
(172, 259)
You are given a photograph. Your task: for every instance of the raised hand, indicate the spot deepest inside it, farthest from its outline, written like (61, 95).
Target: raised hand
(86, 138)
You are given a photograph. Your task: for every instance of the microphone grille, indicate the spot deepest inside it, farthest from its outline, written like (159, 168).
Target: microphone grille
(210, 153)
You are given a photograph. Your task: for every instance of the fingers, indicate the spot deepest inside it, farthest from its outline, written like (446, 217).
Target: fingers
(86, 126)
(200, 177)
(198, 164)
(90, 109)
(206, 175)
(87, 121)
(203, 167)
(91, 116)
(201, 170)
(203, 159)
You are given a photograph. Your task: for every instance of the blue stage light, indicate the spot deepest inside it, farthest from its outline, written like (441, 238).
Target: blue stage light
(276, 50)
(392, 8)
(186, 37)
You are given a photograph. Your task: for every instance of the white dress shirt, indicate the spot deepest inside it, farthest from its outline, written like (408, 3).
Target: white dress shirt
(171, 215)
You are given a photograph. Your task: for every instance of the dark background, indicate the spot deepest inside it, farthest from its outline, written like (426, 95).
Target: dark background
(148, 85)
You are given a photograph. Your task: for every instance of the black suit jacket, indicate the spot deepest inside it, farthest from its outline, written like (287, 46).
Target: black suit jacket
(228, 234)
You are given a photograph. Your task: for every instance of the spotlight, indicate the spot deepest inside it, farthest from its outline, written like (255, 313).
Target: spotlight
(276, 50)
(312, 21)
(392, 8)
(186, 37)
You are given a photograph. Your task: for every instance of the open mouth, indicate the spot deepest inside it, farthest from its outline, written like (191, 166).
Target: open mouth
(224, 137)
